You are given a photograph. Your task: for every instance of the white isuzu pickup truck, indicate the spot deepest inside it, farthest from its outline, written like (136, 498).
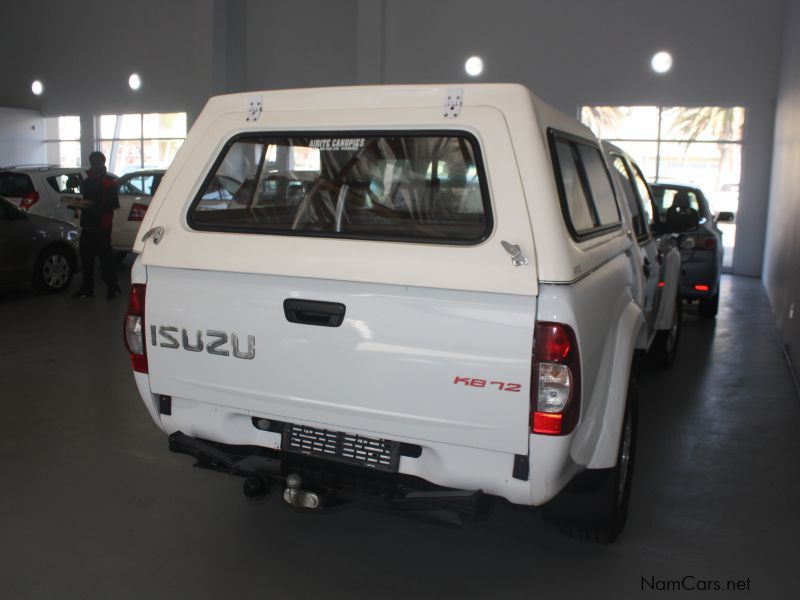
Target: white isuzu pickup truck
(414, 296)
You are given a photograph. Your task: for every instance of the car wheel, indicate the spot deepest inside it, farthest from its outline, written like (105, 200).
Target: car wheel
(708, 307)
(665, 345)
(594, 506)
(53, 271)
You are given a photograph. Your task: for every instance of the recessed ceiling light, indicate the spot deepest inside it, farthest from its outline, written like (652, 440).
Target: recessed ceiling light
(661, 62)
(135, 81)
(37, 88)
(474, 66)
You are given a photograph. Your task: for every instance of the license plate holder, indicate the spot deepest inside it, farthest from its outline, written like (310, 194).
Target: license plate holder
(348, 448)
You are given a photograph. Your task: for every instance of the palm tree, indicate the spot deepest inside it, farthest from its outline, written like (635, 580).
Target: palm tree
(603, 120)
(719, 123)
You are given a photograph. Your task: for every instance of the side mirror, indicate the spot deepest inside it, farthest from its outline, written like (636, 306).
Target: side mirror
(725, 217)
(681, 220)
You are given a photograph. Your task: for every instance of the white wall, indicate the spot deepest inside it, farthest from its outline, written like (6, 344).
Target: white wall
(21, 137)
(782, 254)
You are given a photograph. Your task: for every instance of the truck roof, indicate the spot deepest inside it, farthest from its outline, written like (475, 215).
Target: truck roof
(510, 97)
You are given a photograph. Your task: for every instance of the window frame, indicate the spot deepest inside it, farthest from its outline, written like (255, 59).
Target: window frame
(99, 140)
(489, 223)
(553, 137)
(648, 229)
(58, 140)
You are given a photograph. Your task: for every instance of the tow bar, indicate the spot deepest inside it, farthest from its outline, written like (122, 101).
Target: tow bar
(443, 506)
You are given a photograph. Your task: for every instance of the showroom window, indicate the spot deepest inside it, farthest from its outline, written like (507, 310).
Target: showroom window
(699, 146)
(140, 141)
(63, 141)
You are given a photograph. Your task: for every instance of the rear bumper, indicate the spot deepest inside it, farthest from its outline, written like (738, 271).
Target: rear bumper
(375, 488)
(701, 268)
(448, 466)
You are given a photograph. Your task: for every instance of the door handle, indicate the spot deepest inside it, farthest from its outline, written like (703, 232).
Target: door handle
(314, 312)
(646, 268)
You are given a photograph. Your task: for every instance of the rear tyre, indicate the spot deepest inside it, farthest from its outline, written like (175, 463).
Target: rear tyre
(53, 271)
(708, 307)
(665, 345)
(594, 507)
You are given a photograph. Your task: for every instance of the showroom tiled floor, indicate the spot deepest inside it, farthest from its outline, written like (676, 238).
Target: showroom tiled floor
(92, 505)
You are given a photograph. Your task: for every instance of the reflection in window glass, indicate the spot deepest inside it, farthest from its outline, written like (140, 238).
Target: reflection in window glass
(392, 187)
(577, 203)
(603, 195)
(630, 195)
(644, 194)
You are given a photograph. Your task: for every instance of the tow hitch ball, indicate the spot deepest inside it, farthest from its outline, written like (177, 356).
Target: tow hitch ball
(297, 497)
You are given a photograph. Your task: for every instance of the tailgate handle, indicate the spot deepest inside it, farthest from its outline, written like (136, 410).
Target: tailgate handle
(313, 312)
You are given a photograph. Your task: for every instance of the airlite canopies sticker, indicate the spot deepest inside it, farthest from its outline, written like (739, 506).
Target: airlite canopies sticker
(341, 144)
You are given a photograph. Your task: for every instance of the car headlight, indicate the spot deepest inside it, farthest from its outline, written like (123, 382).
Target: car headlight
(74, 235)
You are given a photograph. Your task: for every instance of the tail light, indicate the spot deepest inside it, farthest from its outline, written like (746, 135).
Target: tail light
(137, 212)
(701, 287)
(699, 242)
(555, 380)
(708, 242)
(134, 328)
(29, 200)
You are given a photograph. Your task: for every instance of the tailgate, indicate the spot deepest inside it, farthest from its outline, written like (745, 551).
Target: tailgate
(406, 363)
(402, 228)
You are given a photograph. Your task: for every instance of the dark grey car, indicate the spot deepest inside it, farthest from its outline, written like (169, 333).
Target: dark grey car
(701, 248)
(38, 249)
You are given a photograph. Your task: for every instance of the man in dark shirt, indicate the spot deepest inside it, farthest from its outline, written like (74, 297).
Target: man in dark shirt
(100, 200)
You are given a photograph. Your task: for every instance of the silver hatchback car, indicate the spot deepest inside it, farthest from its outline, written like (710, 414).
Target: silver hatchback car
(701, 248)
(38, 249)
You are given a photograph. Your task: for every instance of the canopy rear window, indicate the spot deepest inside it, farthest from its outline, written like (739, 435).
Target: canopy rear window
(398, 187)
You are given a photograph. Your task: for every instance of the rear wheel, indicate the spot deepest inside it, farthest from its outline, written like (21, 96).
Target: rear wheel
(53, 271)
(665, 345)
(708, 307)
(594, 507)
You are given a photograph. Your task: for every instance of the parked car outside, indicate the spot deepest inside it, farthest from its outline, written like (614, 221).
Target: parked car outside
(38, 249)
(44, 190)
(701, 248)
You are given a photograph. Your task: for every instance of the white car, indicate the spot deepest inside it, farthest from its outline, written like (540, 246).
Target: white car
(418, 295)
(43, 190)
(136, 189)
